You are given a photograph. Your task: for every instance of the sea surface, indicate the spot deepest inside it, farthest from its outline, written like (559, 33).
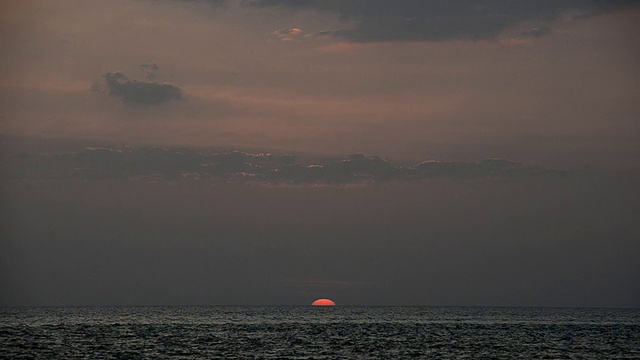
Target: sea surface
(305, 332)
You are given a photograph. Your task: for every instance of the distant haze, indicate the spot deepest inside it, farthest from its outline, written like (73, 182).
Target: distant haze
(529, 242)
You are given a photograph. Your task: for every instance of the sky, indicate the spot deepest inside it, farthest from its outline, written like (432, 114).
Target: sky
(378, 152)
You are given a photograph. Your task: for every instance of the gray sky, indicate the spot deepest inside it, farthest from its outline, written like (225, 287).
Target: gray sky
(547, 84)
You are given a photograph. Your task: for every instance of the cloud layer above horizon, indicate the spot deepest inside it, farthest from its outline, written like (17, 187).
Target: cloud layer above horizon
(254, 168)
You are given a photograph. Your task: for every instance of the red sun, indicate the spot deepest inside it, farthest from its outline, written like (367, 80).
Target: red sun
(323, 302)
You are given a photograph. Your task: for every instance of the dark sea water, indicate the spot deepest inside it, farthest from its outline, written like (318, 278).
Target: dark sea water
(318, 333)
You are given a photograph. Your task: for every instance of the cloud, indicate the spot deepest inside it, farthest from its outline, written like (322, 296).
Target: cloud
(536, 32)
(287, 34)
(484, 168)
(138, 92)
(323, 33)
(437, 20)
(238, 166)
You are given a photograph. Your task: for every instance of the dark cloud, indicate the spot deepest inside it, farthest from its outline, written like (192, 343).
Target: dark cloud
(238, 166)
(138, 92)
(434, 20)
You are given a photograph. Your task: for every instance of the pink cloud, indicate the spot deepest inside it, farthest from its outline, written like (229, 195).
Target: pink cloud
(287, 34)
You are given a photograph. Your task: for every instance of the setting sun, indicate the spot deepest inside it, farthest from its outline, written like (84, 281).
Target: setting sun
(323, 302)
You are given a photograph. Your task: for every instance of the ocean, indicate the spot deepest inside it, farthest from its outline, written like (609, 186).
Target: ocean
(305, 332)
